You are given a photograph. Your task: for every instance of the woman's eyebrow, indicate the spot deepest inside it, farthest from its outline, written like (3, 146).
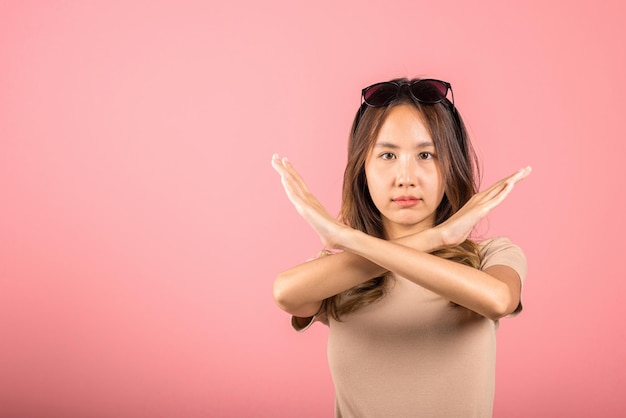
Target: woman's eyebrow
(386, 145)
(419, 145)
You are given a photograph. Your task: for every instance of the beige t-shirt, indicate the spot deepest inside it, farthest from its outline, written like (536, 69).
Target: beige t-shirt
(413, 354)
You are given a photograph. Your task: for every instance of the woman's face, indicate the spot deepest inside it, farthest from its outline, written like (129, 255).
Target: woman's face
(403, 173)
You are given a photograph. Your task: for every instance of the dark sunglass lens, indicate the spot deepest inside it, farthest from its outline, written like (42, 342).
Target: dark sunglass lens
(429, 91)
(380, 94)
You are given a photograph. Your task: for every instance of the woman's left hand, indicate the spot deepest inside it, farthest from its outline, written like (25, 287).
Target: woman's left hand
(327, 227)
(458, 227)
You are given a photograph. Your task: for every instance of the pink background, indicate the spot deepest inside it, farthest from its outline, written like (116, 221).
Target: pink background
(141, 224)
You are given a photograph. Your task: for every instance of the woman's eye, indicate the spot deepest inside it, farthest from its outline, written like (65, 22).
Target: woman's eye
(425, 155)
(387, 156)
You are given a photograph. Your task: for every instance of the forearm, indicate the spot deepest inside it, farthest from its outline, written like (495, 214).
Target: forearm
(301, 289)
(459, 283)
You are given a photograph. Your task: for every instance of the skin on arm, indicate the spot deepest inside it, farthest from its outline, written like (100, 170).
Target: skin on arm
(493, 293)
(301, 290)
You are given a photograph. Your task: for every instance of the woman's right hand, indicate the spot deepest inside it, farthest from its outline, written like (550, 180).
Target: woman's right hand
(458, 227)
(329, 229)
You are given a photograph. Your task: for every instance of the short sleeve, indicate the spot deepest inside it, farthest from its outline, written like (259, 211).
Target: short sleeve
(501, 251)
(302, 324)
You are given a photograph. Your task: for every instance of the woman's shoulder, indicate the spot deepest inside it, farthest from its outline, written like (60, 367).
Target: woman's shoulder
(494, 243)
(501, 251)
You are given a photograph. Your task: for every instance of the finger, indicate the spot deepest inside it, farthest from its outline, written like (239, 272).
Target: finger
(292, 188)
(277, 164)
(514, 178)
(288, 174)
(293, 195)
(508, 186)
(499, 186)
(491, 192)
(519, 175)
(294, 185)
(298, 182)
(286, 177)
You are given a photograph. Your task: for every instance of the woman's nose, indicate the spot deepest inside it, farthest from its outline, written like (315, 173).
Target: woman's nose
(406, 175)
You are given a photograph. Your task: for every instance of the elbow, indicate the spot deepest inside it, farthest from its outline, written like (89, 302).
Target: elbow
(502, 304)
(496, 312)
(287, 298)
(281, 293)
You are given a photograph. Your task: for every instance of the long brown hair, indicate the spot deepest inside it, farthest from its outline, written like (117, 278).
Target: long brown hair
(459, 167)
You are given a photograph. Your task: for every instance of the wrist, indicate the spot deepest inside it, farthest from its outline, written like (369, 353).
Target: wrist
(433, 239)
(349, 238)
(427, 241)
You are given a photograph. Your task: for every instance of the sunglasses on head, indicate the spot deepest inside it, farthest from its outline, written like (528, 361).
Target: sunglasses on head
(427, 91)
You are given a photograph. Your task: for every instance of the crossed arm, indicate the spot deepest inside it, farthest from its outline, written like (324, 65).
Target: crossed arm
(493, 293)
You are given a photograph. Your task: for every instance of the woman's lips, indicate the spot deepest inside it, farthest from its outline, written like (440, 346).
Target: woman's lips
(406, 201)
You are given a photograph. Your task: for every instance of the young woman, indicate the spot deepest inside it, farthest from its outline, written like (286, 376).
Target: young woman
(411, 303)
